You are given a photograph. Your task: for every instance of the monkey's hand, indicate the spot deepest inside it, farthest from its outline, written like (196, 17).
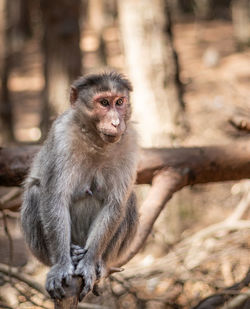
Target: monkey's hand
(87, 270)
(58, 275)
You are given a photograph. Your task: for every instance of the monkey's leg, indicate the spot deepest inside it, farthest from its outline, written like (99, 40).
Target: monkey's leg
(122, 238)
(119, 243)
(101, 231)
(32, 226)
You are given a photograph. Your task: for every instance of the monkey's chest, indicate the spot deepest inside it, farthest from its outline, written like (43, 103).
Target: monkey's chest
(91, 189)
(87, 202)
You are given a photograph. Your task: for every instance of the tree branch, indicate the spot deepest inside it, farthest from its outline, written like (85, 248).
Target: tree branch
(167, 169)
(203, 164)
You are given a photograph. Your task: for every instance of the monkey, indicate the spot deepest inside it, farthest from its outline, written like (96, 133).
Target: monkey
(79, 212)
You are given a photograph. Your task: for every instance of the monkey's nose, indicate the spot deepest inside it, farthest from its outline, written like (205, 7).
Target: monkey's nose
(115, 122)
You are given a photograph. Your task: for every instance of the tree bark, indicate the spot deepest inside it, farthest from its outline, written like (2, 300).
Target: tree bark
(152, 66)
(201, 164)
(6, 112)
(241, 22)
(203, 9)
(96, 11)
(24, 22)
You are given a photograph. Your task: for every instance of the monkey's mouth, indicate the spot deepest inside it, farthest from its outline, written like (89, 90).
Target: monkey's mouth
(110, 138)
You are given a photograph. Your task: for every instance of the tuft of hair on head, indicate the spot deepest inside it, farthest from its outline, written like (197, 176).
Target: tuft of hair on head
(100, 80)
(120, 78)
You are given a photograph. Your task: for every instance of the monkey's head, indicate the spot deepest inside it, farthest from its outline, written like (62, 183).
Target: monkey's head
(102, 103)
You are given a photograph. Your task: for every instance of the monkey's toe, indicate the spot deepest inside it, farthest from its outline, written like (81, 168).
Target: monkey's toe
(96, 290)
(85, 291)
(77, 253)
(55, 289)
(77, 250)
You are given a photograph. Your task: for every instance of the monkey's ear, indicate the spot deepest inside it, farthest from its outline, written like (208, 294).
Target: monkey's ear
(73, 95)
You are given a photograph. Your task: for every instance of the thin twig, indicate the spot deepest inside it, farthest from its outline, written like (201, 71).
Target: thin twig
(13, 193)
(236, 301)
(4, 306)
(240, 208)
(214, 228)
(91, 306)
(24, 278)
(28, 298)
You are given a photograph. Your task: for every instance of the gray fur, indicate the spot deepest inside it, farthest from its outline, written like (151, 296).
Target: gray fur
(79, 192)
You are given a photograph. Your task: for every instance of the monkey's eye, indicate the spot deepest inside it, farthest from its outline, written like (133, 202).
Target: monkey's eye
(104, 102)
(119, 102)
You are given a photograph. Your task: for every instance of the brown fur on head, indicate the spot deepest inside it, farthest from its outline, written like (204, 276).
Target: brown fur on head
(103, 101)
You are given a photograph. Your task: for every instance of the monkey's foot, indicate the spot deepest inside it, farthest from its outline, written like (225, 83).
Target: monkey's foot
(57, 276)
(86, 269)
(77, 253)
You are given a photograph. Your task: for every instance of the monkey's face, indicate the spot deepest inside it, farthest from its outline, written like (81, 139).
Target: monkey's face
(102, 104)
(110, 113)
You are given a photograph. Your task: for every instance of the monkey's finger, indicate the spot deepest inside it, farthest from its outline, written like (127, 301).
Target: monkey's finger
(52, 294)
(72, 246)
(95, 290)
(77, 258)
(78, 250)
(58, 290)
(55, 290)
(86, 289)
(68, 280)
(82, 295)
(59, 293)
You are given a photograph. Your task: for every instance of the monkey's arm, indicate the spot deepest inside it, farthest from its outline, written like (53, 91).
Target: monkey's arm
(55, 217)
(101, 232)
(103, 228)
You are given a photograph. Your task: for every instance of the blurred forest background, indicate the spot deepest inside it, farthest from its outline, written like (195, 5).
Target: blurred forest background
(189, 63)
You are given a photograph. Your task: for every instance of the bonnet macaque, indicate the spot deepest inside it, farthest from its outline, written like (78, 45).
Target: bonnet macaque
(79, 211)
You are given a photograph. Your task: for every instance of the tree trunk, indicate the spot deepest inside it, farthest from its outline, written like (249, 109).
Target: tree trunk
(96, 11)
(6, 113)
(203, 9)
(153, 70)
(61, 47)
(25, 19)
(241, 22)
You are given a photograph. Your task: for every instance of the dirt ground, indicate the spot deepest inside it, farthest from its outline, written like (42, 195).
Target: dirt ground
(216, 80)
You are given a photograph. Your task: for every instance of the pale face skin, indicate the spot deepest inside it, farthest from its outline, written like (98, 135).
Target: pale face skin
(109, 112)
